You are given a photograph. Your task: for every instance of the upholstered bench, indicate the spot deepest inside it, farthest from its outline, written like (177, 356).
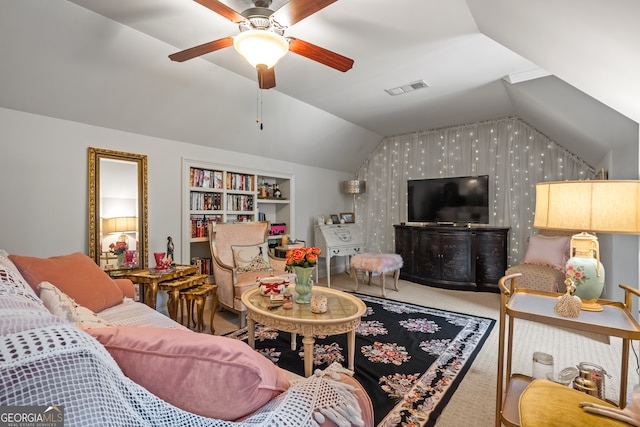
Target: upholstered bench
(377, 263)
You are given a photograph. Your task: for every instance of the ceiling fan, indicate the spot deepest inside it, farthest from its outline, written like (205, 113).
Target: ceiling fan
(261, 40)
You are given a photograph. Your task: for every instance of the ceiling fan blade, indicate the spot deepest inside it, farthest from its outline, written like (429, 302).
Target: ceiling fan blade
(266, 77)
(201, 49)
(222, 9)
(319, 54)
(297, 10)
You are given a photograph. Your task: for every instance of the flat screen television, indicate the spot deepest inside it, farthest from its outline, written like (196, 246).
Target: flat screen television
(450, 200)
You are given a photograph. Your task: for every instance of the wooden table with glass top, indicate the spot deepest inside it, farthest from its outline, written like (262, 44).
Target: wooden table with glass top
(343, 316)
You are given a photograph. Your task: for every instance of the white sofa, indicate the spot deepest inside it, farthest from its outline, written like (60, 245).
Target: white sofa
(130, 365)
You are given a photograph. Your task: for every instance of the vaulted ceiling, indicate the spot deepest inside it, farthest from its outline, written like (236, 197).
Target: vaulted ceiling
(568, 68)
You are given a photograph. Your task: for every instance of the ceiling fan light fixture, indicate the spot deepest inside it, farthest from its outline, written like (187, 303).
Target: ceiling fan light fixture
(261, 47)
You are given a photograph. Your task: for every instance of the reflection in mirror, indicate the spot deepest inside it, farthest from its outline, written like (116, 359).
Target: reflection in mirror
(117, 209)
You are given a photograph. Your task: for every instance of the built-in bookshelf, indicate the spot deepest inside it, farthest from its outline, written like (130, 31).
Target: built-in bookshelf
(276, 210)
(223, 193)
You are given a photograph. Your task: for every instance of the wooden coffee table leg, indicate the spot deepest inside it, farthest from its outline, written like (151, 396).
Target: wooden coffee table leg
(307, 343)
(351, 346)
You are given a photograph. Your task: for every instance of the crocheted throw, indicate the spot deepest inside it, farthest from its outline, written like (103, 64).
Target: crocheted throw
(47, 361)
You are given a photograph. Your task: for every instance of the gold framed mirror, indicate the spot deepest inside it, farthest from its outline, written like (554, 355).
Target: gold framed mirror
(118, 209)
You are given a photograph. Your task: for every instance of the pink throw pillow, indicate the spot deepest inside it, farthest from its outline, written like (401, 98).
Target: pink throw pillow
(126, 286)
(552, 251)
(76, 275)
(212, 376)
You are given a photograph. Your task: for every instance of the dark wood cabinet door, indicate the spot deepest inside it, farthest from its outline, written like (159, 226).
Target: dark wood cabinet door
(491, 262)
(456, 252)
(404, 247)
(427, 255)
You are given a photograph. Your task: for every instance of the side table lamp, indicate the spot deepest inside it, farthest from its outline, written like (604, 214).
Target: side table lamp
(588, 206)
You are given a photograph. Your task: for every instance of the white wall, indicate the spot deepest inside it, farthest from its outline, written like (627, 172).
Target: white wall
(43, 183)
(622, 267)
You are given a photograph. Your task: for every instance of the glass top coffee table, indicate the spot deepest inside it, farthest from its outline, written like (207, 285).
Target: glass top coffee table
(342, 316)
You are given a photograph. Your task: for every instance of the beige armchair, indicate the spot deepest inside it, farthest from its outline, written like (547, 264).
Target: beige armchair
(234, 279)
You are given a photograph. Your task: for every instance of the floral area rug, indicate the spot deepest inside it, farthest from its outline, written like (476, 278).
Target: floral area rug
(409, 358)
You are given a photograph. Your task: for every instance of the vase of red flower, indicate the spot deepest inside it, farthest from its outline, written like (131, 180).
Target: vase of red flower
(118, 249)
(303, 262)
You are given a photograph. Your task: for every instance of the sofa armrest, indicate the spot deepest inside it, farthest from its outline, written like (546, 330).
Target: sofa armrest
(126, 286)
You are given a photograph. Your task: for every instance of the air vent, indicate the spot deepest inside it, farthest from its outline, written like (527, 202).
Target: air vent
(420, 84)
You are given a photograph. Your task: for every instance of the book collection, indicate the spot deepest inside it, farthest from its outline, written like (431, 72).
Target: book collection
(203, 265)
(204, 178)
(238, 202)
(241, 182)
(206, 201)
(200, 224)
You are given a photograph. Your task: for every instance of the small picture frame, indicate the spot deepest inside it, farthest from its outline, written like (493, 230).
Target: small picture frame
(334, 219)
(347, 217)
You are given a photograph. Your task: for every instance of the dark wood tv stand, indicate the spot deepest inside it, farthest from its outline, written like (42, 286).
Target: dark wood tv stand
(470, 258)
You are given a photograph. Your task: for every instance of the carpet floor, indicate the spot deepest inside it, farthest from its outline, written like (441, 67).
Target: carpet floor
(474, 402)
(409, 358)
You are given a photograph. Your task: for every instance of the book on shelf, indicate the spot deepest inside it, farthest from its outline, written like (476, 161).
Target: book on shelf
(203, 265)
(217, 179)
(239, 202)
(204, 178)
(242, 218)
(205, 201)
(240, 182)
(200, 224)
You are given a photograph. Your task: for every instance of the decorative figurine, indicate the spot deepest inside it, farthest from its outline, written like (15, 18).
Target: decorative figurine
(288, 301)
(170, 248)
(276, 191)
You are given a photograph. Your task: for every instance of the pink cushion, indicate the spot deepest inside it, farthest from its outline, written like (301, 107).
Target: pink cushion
(126, 286)
(209, 375)
(548, 250)
(76, 275)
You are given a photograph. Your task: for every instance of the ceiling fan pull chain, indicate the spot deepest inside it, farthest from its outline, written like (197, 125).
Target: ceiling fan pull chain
(259, 107)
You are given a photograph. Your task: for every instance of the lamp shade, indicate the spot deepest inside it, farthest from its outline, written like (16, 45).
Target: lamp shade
(596, 206)
(354, 186)
(124, 224)
(261, 47)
